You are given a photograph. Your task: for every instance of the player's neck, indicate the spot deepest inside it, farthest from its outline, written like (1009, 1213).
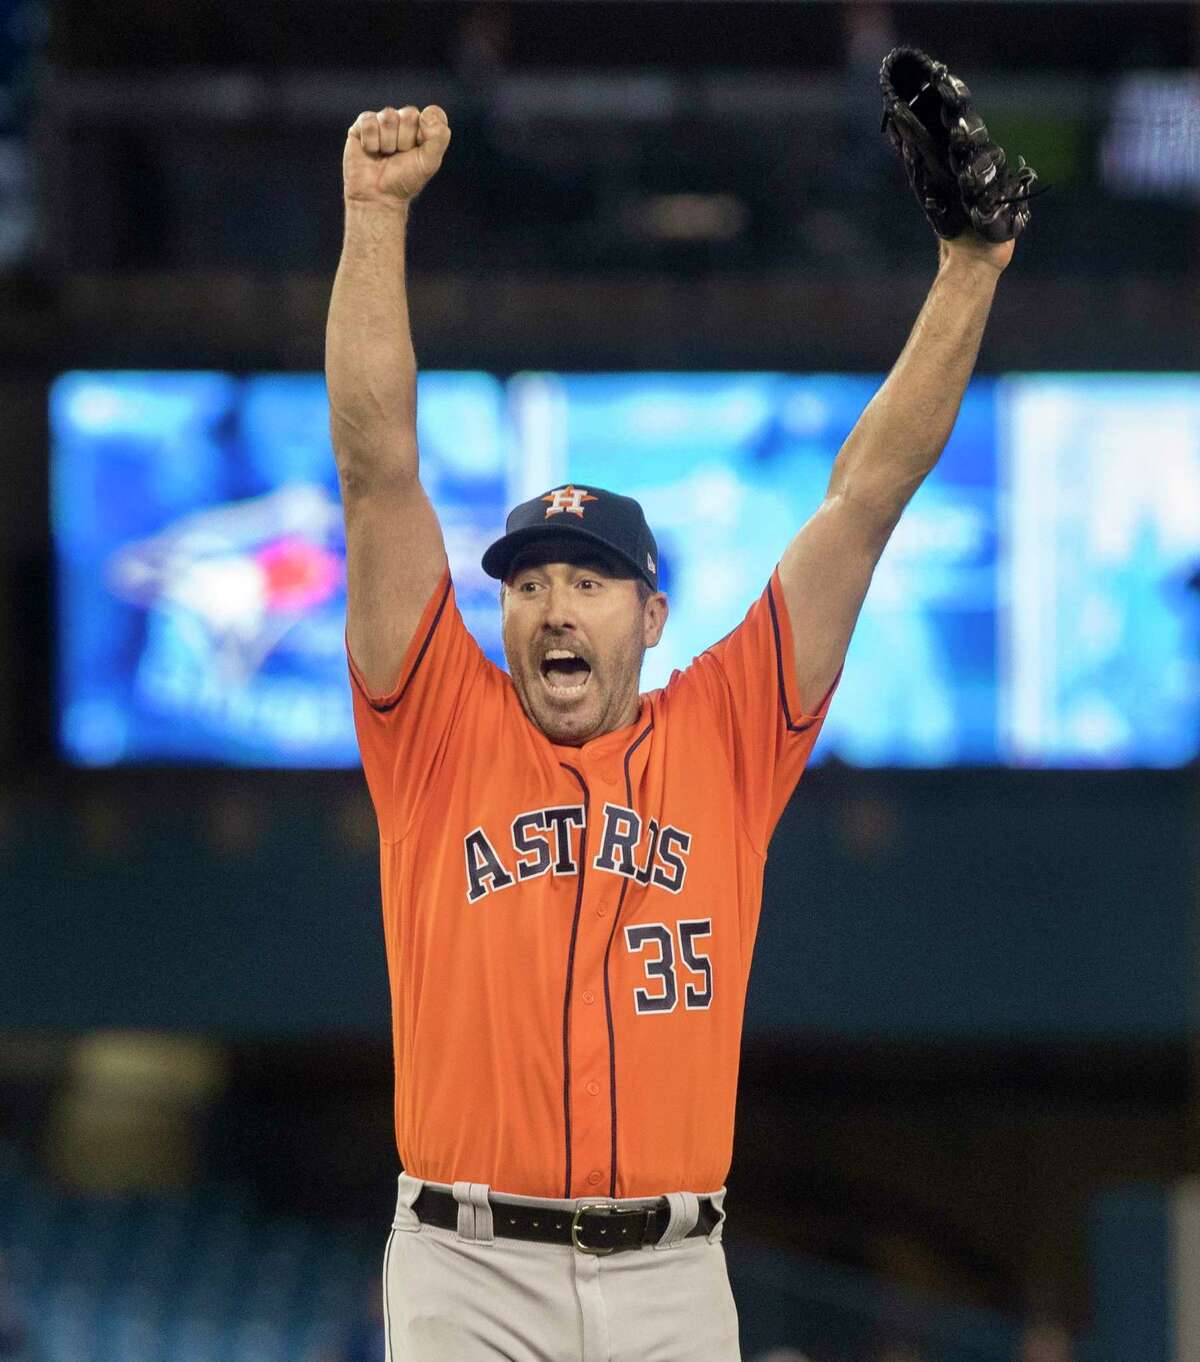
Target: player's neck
(627, 717)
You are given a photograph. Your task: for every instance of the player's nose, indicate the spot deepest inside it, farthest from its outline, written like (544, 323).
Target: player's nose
(559, 611)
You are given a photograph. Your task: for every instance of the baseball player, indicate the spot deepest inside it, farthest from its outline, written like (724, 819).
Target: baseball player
(571, 869)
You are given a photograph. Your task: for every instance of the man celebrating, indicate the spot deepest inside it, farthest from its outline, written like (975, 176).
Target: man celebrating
(571, 870)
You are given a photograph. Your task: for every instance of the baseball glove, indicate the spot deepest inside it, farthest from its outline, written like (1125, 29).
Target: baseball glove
(961, 178)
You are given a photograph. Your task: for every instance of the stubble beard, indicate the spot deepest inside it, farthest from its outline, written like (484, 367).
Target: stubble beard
(580, 723)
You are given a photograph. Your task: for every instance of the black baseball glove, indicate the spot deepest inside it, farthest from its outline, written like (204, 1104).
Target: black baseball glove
(961, 178)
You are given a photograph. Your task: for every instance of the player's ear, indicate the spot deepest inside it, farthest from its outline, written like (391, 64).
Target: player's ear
(654, 618)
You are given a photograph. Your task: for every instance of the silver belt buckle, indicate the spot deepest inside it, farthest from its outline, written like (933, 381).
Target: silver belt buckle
(575, 1227)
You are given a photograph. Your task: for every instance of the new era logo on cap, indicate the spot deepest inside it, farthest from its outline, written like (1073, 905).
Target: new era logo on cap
(568, 499)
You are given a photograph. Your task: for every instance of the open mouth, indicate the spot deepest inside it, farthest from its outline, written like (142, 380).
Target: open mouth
(564, 672)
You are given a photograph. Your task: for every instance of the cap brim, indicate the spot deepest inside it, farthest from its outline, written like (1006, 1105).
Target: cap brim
(498, 558)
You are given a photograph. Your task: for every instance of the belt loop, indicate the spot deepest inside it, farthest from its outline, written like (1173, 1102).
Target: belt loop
(484, 1229)
(408, 1189)
(466, 1210)
(718, 1203)
(685, 1212)
(474, 1212)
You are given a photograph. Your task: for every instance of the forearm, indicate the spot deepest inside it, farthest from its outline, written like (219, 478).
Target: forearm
(903, 430)
(370, 367)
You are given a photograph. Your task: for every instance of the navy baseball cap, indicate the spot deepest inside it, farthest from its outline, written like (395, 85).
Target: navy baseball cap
(581, 514)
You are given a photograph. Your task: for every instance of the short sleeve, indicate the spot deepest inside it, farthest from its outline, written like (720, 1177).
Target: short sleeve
(748, 682)
(402, 736)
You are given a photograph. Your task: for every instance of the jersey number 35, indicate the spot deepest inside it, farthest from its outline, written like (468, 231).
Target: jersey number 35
(656, 941)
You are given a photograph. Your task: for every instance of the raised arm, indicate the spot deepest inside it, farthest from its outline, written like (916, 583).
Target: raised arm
(828, 565)
(978, 205)
(394, 548)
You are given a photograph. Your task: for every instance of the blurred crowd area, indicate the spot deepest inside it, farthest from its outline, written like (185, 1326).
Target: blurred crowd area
(655, 185)
(170, 1197)
(201, 1276)
(680, 139)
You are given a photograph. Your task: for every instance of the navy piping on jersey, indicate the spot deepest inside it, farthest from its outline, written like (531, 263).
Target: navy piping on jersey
(391, 704)
(787, 714)
(612, 1039)
(571, 970)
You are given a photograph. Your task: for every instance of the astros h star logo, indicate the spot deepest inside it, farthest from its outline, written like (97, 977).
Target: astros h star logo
(569, 499)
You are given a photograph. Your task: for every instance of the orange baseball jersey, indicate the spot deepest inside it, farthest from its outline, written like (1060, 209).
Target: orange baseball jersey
(569, 929)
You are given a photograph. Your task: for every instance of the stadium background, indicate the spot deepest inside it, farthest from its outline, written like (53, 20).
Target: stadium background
(969, 1109)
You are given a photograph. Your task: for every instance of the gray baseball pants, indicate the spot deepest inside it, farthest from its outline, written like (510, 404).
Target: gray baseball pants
(473, 1296)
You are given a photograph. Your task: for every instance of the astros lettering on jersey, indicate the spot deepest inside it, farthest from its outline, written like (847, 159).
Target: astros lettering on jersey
(569, 929)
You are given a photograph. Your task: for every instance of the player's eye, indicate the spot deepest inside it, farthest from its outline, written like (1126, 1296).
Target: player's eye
(588, 582)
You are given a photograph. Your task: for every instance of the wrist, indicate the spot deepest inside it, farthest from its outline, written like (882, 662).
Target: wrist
(970, 257)
(971, 273)
(380, 208)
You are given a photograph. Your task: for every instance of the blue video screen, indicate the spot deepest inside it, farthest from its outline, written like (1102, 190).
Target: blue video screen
(728, 467)
(1101, 641)
(1037, 605)
(201, 560)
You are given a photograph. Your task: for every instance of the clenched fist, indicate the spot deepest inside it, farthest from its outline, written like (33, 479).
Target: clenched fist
(390, 156)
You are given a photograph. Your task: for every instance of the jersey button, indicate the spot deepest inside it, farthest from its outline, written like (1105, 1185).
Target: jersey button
(588, 996)
(594, 1088)
(602, 911)
(595, 1176)
(609, 777)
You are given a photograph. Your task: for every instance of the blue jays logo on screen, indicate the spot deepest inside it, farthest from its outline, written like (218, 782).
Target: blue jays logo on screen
(236, 578)
(239, 600)
(202, 560)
